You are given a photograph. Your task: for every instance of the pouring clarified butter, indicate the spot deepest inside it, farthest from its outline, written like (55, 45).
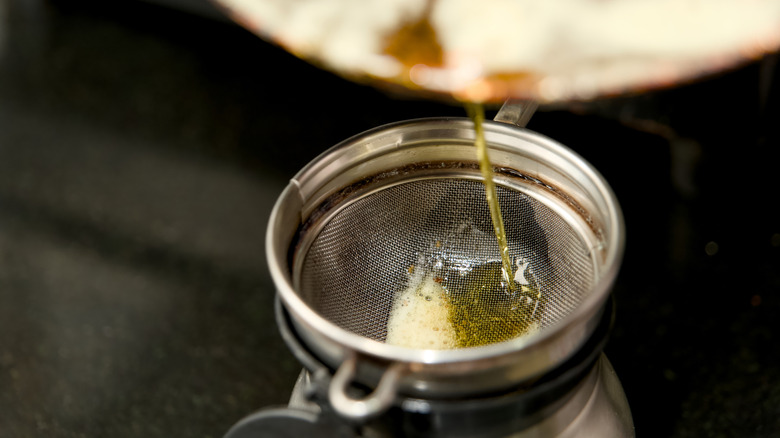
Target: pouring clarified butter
(489, 303)
(565, 249)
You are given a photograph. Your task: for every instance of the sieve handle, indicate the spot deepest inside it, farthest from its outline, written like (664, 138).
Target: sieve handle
(516, 112)
(374, 403)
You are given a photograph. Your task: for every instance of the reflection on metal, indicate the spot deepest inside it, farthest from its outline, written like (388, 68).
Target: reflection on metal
(516, 112)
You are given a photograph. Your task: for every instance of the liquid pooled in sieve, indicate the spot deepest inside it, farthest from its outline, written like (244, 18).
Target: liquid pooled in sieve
(467, 311)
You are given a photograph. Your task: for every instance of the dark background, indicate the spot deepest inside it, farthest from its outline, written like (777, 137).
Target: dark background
(142, 147)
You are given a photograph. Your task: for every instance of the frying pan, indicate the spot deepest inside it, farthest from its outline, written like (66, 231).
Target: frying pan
(491, 50)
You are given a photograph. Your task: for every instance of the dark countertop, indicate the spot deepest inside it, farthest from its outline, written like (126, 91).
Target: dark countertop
(141, 149)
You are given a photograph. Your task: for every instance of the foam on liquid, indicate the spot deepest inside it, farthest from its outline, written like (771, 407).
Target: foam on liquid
(420, 317)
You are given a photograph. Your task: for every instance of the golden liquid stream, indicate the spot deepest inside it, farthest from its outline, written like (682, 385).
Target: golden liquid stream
(477, 114)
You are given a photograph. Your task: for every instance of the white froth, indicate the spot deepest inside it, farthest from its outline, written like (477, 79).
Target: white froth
(420, 317)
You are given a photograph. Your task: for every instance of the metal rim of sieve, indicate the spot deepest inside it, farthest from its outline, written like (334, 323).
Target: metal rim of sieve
(549, 168)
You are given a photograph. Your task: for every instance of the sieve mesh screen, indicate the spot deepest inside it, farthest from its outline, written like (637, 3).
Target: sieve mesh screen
(399, 238)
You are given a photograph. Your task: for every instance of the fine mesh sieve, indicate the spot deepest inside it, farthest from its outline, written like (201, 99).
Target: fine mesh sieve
(404, 204)
(374, 247)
